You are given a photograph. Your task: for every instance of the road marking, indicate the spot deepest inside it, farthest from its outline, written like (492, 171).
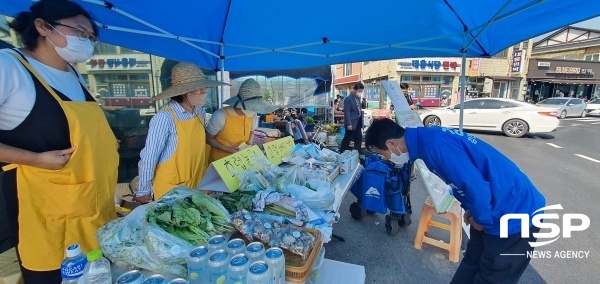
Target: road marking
(554, 145)
(595, 123)
(587, 158)
(587, 119)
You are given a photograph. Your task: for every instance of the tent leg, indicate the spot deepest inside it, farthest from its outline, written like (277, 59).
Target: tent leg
(221, 97)
(463, 89)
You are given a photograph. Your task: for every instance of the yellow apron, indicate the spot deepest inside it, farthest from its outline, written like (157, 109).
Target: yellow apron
(188, 164)
(58, 208)
(235, 132)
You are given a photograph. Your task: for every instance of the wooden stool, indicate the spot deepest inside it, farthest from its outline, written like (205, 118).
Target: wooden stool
(455, 228)
(10, 273)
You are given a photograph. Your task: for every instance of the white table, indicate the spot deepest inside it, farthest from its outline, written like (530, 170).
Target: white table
(333, 272)
(343, 183)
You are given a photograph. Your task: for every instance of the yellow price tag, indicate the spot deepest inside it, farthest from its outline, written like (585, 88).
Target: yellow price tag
(229, 167)
(278, 149)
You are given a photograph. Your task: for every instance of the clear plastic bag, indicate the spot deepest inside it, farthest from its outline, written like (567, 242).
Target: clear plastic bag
(252, 180)
(320, 196)
(327, 155)
(133, 242)
(122, 242)
(295, 240)
(244, 222)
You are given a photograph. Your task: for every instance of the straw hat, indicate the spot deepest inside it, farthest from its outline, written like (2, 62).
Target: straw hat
(250, 98)
(186, 77)
(126, 191)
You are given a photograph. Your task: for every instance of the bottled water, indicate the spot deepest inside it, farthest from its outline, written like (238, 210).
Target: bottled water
(97, 270)
(72, 267)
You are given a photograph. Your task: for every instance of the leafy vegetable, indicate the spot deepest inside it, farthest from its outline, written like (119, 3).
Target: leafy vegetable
(237, 201)
(194, 219)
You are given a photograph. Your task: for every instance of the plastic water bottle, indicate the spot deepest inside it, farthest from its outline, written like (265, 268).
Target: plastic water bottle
(72, 267)
(97, 270)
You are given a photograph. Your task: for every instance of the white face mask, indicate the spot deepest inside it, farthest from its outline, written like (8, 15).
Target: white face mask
(400, 160)
(76, 51)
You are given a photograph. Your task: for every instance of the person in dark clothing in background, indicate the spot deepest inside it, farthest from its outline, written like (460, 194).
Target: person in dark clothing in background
(363, 103)
(404, 88)
(353, 119)
(486, 183)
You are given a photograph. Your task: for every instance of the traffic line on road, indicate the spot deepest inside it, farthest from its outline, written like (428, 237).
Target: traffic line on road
(595, 123)
(554, 145)
(576, 124)
(587, 158)
(587, 119)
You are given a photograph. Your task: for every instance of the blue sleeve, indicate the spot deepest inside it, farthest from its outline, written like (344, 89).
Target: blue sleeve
(457, 168)
(160, 128)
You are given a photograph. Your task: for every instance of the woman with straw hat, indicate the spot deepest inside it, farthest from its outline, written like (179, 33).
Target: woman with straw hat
(175, 151)
(233, 125)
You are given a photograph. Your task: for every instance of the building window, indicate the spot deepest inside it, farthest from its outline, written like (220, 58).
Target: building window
(347, 69)
(516, 46)
(426, 79)
(405, 78)
(501, 54)
(592, 57)
(125, 50)
(525, 45)
(447, 80)
(105, 48)
(573, 56)
(416, 79)
(436, 79)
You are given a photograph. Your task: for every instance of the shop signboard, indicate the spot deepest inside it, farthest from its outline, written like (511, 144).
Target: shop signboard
(518, 60)
(222, 174)
(474, 70)
(428, 65)
(278, 149)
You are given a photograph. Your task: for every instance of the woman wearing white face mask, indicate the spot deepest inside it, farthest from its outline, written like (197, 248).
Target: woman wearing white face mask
(59, 155)
(175, 151)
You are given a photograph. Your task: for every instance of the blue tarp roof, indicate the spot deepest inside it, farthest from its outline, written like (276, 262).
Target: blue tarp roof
(277, 34)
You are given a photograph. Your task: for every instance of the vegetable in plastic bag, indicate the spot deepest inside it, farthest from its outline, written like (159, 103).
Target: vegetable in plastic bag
(320, 200)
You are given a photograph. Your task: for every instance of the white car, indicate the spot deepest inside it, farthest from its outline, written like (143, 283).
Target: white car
(593, 105)
(513, 118)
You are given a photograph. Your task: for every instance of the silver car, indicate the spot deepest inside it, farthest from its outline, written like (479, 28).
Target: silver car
(565, 107)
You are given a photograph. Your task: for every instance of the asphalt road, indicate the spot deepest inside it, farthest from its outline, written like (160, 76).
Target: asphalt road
(564, 165)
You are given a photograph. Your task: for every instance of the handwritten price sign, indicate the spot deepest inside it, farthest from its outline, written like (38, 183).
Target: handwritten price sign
(278, 149)
(229, 167)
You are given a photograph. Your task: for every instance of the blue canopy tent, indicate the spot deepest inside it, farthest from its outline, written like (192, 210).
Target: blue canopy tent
(274, 34)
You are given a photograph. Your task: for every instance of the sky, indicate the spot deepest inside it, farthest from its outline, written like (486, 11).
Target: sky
(593, 23)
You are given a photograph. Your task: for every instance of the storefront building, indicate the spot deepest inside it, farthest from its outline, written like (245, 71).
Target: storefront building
(566, 62)
(563, 78)
(429, 78)
(121, 77)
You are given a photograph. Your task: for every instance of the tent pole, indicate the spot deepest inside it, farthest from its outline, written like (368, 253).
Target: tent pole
(222, 59)
(332, 98)
(463, 85)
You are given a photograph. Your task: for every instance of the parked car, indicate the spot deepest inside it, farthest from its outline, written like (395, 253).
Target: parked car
(593, 105)
(513, 118)
(565, 107)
